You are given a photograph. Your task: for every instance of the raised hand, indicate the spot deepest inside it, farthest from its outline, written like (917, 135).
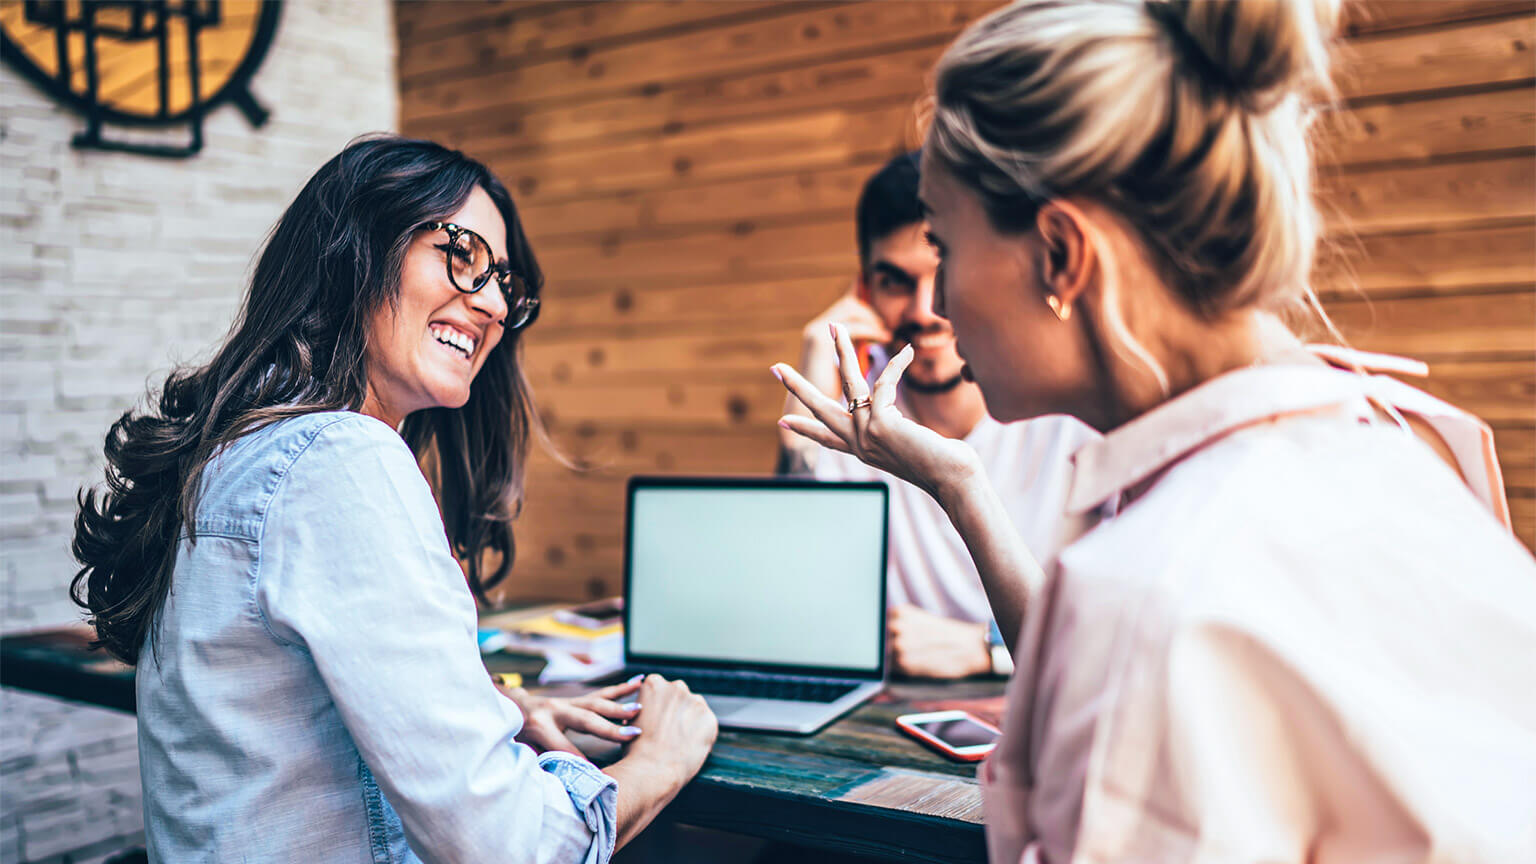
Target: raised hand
(875, 430)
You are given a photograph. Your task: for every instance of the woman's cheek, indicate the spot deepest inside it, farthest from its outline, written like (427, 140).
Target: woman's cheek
(959, 306)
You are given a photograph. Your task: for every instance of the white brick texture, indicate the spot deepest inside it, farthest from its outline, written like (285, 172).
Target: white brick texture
(113, 268)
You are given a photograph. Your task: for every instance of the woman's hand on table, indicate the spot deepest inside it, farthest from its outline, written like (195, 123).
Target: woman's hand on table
(679, 732)
(607, 713)
(679, 727)
(878, 434)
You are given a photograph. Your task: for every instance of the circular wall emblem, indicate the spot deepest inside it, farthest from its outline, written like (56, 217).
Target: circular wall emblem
(141, 62)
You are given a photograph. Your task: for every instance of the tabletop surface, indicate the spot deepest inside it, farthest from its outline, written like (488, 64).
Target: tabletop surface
(858, 785)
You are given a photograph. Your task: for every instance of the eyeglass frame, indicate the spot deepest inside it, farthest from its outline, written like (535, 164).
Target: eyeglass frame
(502, 270)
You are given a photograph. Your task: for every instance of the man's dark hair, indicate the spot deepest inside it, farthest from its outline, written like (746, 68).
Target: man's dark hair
(888, 202)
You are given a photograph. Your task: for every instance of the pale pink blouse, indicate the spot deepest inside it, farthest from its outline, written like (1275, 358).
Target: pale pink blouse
(1303, 638)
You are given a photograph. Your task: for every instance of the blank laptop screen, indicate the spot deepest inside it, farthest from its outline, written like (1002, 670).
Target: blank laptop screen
(790, 575)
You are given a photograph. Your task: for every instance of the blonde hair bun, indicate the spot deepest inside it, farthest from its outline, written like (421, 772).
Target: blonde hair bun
(1258, 50)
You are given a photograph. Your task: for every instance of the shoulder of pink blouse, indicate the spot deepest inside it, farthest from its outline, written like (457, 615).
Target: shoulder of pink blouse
(1470, 439)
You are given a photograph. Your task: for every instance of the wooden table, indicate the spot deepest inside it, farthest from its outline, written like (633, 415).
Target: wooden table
(857, 786)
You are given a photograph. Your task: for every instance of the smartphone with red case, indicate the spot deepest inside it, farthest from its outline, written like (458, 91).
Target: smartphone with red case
(957, 734)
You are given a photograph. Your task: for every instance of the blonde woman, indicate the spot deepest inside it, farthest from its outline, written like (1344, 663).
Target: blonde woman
(1307, 633)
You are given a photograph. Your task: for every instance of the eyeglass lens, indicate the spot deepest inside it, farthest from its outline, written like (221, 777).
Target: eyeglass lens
(469, 261)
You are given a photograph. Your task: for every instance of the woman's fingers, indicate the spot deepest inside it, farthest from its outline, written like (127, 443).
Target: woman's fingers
(607, 707)
(617, 691)
(813, 430)
(831, 414)
(546, 736)
(884, 394)
(854, 386)
(581, 720)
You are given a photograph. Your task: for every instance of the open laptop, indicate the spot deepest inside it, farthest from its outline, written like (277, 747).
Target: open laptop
(766, 595)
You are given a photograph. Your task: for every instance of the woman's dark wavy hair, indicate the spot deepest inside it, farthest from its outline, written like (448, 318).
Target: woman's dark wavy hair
(297, 346)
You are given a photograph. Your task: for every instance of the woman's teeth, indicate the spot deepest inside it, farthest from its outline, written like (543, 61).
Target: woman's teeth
(931, 340)
(454, 339)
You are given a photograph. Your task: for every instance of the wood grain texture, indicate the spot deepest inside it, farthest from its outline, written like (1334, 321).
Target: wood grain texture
(1475, 326)
(1425, 197)
(748, 148)
(1522, 514)
(687, 172)
(1449, 261)
(920, 792)
(1502, 392)
(1378, 16)
(1494, 120)
(1516, 443)
(806, 34)
(631, 308)
(1460, 54)
(891, 73)
(565, 31)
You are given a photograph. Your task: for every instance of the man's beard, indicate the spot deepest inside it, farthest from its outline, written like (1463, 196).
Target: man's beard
(905, 335)
(934, 388)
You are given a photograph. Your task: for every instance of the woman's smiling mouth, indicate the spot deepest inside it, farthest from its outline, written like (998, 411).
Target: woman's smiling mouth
(454, 338)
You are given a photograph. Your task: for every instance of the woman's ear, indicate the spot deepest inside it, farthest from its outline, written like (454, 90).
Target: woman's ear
(1069, 256)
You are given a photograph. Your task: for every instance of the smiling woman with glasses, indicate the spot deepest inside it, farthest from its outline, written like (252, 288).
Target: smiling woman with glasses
(269, 554)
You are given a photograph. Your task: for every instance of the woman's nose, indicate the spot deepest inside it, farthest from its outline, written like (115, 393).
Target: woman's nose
(489, 301)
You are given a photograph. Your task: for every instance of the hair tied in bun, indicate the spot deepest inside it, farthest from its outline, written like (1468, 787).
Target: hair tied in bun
(1170, 17)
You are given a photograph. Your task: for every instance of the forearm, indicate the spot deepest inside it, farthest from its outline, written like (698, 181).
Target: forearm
(645, 789)
(1009, 573)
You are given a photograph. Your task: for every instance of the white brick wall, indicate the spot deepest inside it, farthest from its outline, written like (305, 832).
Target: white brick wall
(113, 267)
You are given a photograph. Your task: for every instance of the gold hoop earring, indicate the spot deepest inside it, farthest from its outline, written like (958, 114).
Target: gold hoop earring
(1062, 310)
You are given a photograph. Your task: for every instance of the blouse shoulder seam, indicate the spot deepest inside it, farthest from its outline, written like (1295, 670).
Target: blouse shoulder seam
(283, 471)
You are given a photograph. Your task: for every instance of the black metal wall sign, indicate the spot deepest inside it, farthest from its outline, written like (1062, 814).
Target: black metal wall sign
(154, 63)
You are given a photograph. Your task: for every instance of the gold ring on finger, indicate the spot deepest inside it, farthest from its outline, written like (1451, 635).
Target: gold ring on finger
(856, 404)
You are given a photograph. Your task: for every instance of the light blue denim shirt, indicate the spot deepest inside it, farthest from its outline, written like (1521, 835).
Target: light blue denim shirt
(316, 692)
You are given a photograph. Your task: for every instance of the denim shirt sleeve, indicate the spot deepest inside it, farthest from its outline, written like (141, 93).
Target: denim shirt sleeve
(355, 569)
(595, 796)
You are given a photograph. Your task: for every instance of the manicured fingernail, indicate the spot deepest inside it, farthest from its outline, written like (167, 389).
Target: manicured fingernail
(832, 328)
(776, 373)
(630, 706)
(639, 677)
(630, 731)
(784, 424)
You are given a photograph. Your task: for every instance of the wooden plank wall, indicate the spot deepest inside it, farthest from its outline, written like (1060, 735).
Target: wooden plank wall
(687, 171)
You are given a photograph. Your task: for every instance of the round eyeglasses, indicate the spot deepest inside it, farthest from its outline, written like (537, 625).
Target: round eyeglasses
(470, 265)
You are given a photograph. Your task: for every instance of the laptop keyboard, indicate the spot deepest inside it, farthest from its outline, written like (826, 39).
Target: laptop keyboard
(758, 686)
